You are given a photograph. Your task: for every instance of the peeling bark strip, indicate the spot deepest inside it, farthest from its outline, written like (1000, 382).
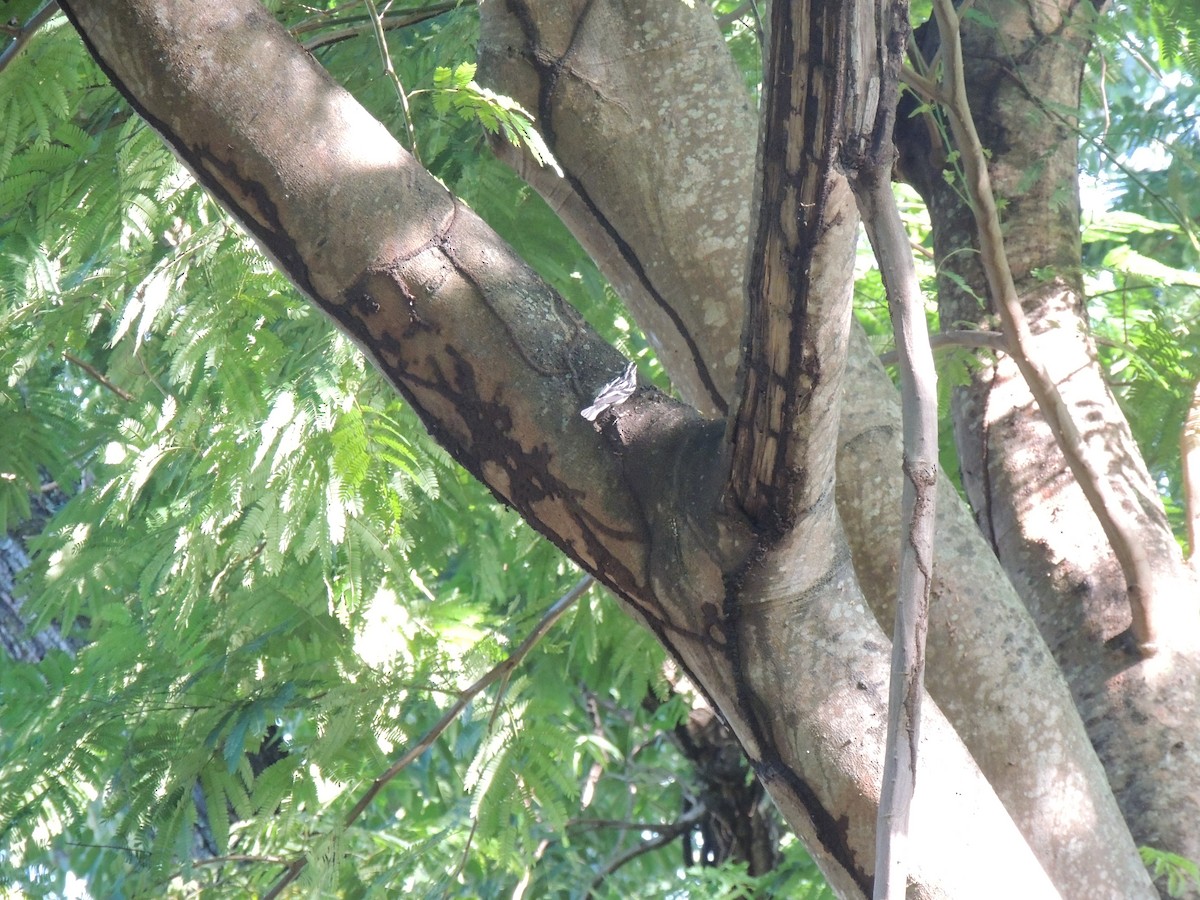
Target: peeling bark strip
(782, 462)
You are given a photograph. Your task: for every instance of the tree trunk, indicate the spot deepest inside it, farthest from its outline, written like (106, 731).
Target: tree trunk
(1143, 716)
(777, 632)
(1015, 697)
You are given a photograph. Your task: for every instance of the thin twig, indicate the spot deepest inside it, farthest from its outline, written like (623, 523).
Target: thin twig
(620, 825)
(501, 670)
(922, 84)
(667, 833)
(968, 340)
(466, 851)
(26, 32)
(384, 52)
(391, 22)
(99, 377)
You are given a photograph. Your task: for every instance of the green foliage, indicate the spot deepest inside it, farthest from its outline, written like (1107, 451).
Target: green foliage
(796, 878)
(1176, 28)
(455, 89)
(1182, 875)
(275, 582)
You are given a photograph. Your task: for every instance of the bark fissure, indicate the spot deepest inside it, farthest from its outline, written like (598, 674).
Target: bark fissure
(781, 465)
(549, 69)
(637, 501)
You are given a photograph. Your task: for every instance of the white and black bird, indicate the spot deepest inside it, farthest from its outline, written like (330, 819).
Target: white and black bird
(614, 393)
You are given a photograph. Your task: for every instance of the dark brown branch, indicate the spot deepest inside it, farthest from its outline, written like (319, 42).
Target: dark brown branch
(666, 834)
(620, 825)
(501, 671)
(23, 34)
(363, 26)
(99, 377)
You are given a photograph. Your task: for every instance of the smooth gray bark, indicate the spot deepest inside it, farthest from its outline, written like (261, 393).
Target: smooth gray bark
(1013, 709)
(498, 368)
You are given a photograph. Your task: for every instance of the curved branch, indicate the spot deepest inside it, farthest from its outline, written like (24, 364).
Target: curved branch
(666, 834)
(391, 21)
(1141, 579)
(26, 32)
(501, 671)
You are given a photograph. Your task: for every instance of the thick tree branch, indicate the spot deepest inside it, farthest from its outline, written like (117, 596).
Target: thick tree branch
(494, 362)
(499, 370)
(612, 144)
(1143, 583)
(550, 65)
(784, 430)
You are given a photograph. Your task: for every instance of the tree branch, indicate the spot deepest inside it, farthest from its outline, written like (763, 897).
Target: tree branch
(391, 21)
(666, 834)
(1141, 579)
(26, 32)
(784, 431)
(871, 180)
(965, 339)
(98, 376)
(494, 362)
(501, 671)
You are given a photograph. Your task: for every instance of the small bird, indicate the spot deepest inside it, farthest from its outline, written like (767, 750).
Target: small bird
(614, 393)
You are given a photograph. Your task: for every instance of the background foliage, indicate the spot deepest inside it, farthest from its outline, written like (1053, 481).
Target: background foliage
(271, 583)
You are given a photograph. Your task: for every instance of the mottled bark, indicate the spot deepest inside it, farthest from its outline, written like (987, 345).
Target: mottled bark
(499, 367)
(1012, 709)
(1143, 717)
